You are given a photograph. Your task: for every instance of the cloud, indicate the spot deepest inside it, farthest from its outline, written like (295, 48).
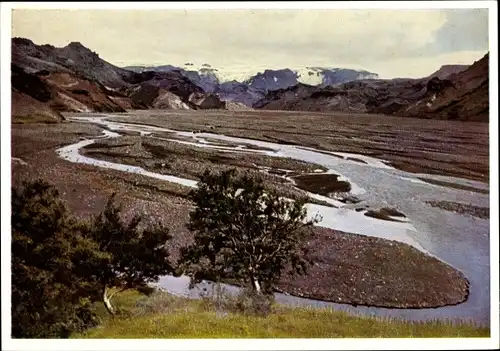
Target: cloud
(464, 29)
(257, 38)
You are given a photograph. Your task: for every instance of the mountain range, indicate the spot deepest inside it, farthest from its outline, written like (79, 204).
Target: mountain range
(47, 80)
(458, 96)
(254, 88)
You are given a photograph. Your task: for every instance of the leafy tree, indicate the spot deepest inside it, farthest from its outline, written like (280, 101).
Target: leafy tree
(244, 232)
(60, 265)
(48, 298)
(133, 257)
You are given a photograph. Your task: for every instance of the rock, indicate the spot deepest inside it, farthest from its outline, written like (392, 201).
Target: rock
(206, 101)
(347, 199)
(168, 100)
(18, 160)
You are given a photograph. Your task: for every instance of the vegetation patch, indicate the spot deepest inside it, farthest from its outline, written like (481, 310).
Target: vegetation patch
(323, 184)
(245, 232)
(164, 316)
(61, 265)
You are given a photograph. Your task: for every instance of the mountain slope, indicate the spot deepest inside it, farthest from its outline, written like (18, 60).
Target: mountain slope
(447, 70)
(73, 58)
(336, 76)
(26, 108)
(102, 86)
(462, 96)
(48, 93)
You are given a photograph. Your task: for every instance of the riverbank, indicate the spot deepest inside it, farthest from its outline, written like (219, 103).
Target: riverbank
(159, 200)
(165, 316)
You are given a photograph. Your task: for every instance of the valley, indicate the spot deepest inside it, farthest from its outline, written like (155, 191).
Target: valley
(396, 169)
(151, 159)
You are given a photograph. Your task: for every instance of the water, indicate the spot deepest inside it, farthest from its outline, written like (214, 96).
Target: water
(461, 241)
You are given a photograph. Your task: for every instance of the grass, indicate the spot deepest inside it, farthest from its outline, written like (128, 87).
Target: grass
(165, 316)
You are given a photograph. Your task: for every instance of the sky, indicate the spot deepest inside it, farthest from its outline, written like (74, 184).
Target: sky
(393, 43)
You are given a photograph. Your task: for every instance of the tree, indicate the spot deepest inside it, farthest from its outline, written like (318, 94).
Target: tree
(61, 265)
(244, 232)
(131, 257)
(48, 298)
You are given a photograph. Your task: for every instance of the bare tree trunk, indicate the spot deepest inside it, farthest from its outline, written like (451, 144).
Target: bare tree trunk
(107, 301)
(256, 285)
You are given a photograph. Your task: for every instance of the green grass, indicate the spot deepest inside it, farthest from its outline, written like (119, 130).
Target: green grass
(164, 316)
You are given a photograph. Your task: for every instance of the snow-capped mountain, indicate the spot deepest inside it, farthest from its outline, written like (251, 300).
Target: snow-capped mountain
(337, 76)
(273, 80)
(256, 86)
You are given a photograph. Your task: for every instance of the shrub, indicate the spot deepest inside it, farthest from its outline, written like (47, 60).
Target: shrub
(48, 298)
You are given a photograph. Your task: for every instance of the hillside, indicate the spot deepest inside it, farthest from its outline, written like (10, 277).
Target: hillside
(78, 80)
(461, 96)
(73, 58)
(447, 70)
(48, 93)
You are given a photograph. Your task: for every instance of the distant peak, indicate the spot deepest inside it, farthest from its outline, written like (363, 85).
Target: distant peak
(274, 71)
(454, 66)
(22, 41)
(77, 45)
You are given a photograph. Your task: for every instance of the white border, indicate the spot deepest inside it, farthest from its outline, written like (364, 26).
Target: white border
(5, 93)
(257, 5)
(236, 344)
(494, 182)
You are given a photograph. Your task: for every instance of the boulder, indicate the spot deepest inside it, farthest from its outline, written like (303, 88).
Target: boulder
(206, 101)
